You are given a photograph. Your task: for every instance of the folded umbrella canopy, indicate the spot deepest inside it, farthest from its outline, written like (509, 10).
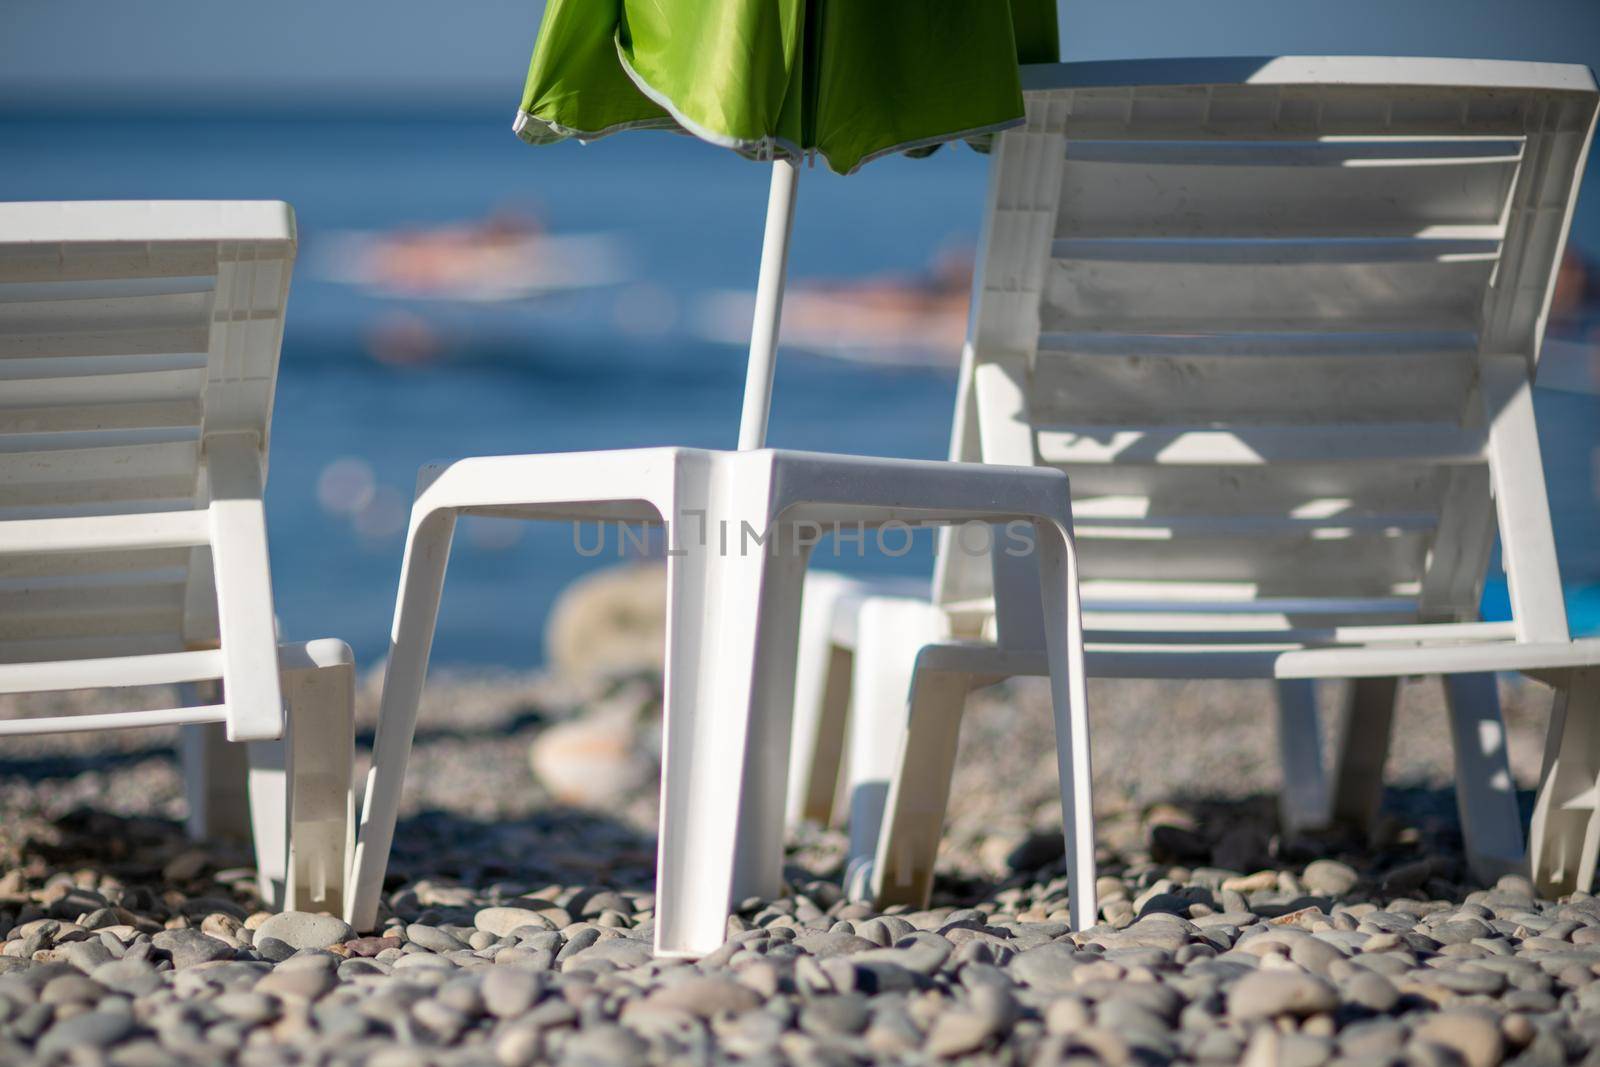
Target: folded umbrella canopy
(781, 80)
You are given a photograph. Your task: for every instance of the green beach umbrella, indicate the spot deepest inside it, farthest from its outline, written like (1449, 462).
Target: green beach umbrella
(782, 81)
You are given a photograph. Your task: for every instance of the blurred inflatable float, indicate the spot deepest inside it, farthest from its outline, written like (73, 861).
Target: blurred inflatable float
(502, 257)
(900, 320)
(1571, 357)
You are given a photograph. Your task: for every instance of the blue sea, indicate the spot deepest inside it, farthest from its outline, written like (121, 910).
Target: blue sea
(608, 367)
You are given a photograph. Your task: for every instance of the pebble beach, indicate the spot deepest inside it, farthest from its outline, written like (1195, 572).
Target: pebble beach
(516, 925)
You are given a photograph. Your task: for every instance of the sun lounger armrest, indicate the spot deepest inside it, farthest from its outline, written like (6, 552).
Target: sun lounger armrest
(244, 590)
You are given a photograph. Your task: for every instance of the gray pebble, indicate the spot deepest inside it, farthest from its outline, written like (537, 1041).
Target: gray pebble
(1270, 993)
(247, 1007)
(955, 1033)
(510, 991)
(848, 1014)
(301, 983)
(1474, 1037)
(1329, 878)
(133, 977)
(300, 929)
(705, 997)
(433, 939)
(502, 921)
(826, 944)
(94, 1029)
(1371, 991)
(1048, 968)
(189, 947)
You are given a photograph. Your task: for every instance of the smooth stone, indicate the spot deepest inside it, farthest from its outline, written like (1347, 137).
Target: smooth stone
(1372, 1040)
(1269, 993)
(1037, 849)
(1049, 968)
(247, 1007)
(1469, 980)
(442, 1021)
(606, 1044)
(299, 983)
(518, 1045)
(705, 997)
(577, 941)
(826, 944)
(132, 977)
(595, 760)
(433, 939)
(71, 989)
(1303, 1050)
(500, 921)
(1162, 1001)
(510, 991)
(1329, 878)
(1157, 931)
(752, 1035)
(189, 947)
(221, 925)
(920, 953)
(86, 955)
(544, 940)
(1218, 1046)
(357, 966)
(622, 952)
(426, 961)
(93, 1029)
(1475, 1038)
(1066, 1015)
(956, 1033)
(603, 901)
(846, 1014)
(1372, 991)
(1315, 955)
(300, 929)
(1459, 932)
(271, 949)
(367, 947)
(882, 975)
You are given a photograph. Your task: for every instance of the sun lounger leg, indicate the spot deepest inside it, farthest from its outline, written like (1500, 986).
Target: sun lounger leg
(1486, 796)
(214, 772)
(269, 818)
(1565, 836)
(758, 855)
(1063, 631)
(1363, 750)
(416, 612)
(1303, 801)
(890, 631)
(821, 705)
(321, 747)
(919, 791)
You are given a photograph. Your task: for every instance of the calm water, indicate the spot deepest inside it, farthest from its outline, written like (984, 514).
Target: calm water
(608, 368)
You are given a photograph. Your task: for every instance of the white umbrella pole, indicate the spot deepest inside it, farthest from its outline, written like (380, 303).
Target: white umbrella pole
(769, 306)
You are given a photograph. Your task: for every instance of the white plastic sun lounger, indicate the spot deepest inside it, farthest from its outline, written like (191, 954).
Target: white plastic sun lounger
(1278, 320)
(138, 356)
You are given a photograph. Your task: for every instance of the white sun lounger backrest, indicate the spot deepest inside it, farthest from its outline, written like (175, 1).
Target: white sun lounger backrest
(138, 354)
(1276, 319)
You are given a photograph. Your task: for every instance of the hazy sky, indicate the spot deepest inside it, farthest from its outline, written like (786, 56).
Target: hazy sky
(423, 54)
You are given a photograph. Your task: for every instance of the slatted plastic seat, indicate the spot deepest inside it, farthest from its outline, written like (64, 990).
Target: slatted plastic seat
(138, 356)
(1278, 320)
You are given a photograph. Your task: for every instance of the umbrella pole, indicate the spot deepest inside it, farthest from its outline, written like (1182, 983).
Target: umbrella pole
(769, 306)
